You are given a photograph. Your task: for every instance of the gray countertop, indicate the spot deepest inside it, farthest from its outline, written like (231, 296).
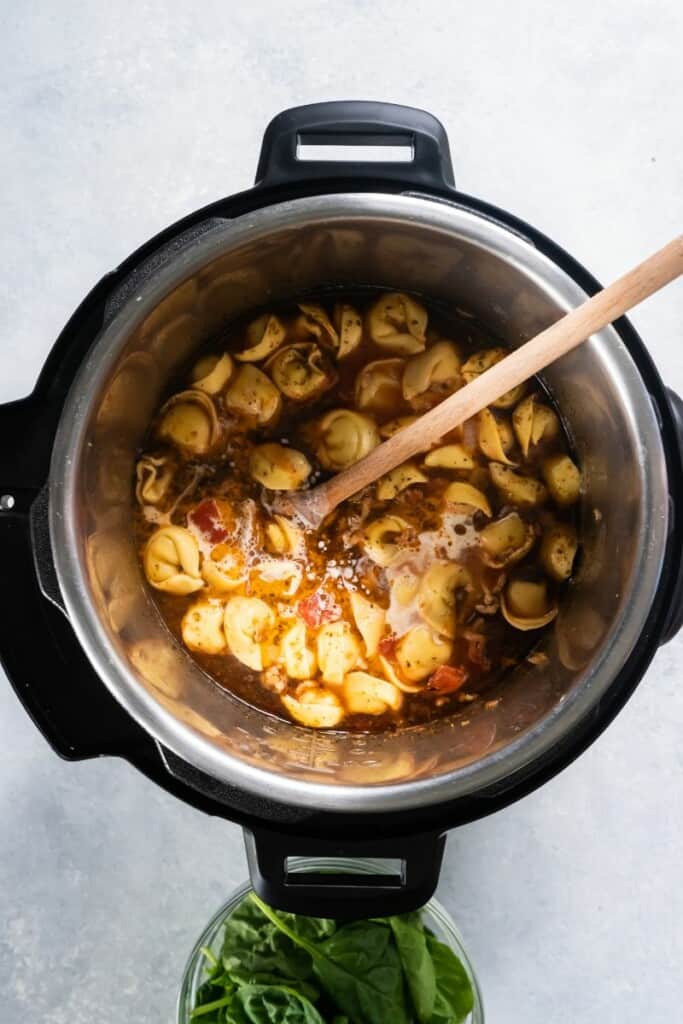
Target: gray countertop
(118, 118)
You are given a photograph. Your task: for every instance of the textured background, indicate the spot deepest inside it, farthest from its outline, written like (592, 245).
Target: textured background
(118, 118)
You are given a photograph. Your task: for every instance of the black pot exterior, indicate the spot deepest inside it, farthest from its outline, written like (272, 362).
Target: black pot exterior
(54, 679)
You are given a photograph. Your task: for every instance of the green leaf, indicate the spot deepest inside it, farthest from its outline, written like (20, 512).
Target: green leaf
(418, 967)
(200, 1012)
(359, 969)
(454, 995)
(253, 944)
(313, 929)
(271, 1004)
(240, 977)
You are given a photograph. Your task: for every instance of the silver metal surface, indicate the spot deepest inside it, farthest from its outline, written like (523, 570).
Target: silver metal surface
(450, 255)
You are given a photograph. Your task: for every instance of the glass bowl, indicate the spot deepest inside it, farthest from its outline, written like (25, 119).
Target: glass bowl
(434, 915)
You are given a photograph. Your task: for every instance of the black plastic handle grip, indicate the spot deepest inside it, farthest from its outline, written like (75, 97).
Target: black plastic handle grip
(344, 896)
(355, 123)
(674, 620)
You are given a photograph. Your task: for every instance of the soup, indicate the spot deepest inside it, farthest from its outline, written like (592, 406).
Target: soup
(414, 595)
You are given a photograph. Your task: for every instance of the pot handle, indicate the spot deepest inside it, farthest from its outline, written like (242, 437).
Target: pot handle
(344, 896)
(674, 619)
(421, 153)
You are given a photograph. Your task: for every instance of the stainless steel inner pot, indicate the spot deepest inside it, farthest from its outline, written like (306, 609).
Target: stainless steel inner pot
(448, 254)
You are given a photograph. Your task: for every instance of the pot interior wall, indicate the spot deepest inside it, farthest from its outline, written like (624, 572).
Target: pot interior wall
(597, 389)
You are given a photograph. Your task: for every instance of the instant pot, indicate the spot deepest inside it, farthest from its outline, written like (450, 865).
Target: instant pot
(80, 637)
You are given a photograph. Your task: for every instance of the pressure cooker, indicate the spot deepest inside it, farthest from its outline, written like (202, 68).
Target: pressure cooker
(80, 639)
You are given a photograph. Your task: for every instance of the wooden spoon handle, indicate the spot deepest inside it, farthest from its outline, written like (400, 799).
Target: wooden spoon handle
(531, 357)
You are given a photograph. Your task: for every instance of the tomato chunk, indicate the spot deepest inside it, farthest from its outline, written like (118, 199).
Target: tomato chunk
(318, 608)
(476, 651)
(447, 678)
(207, 519)
(387, 646)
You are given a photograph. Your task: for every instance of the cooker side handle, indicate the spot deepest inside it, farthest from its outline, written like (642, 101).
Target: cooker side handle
(330, 893)
(421, 155)
(674, 621)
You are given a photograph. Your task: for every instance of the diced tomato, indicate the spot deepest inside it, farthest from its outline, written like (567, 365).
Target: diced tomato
(318, 608)
(476, 651)
(447, 678)
(387, 645)
(206, 518)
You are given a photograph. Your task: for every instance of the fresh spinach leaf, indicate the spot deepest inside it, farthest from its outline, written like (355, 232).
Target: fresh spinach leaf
(241, 977)
(208, 991)
(213, 1007)
(454, 996)
(359, 968)
(418, 967)
(271, 1004)
(253, 944)
(314, 929)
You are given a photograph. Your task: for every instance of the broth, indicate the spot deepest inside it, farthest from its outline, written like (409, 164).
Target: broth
(416, 594)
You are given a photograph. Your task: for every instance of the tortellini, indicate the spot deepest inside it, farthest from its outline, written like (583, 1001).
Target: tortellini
(254, 396)
(202, 627)
(420, 652)
(484, 360)
(344, 437)
(349, 327)
(212, 373)
(154, 475)
(461, 493)
(516, 488)
(299, 660)
(449, 456)
(171, 561)
(435, 371)
(338, 651)
(316, 323)
(279, 468)
(301, 371)
(392, 427)
(283, 537)
(392, 673)
(264, 336)
(225, 569)
(436, 598)
(533, 422)
(405, 584)
(398, 323)
(247, 622)
(381, 539)
(397, 480)
(370, 621)
(527, 605)
(558, 550)
(563, 479)
(506, 541)
(365, 694)
(314, 706)
(378, 386)
(495, 437)
(189, 421)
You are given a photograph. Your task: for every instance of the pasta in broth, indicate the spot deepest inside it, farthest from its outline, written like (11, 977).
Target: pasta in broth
(417, 593)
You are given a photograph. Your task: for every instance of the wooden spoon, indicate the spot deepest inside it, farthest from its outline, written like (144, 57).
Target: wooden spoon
(664, 266)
